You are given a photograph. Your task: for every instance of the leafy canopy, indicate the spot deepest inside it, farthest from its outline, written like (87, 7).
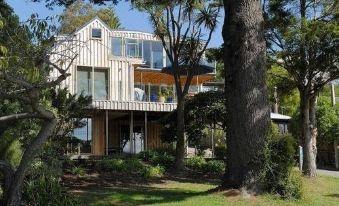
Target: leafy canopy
(80, 12)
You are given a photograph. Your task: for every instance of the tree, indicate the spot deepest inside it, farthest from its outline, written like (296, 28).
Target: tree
(79, 13)
(203, 110)
(24, 69)
(180, 26)
(303, 39)
(247, 109)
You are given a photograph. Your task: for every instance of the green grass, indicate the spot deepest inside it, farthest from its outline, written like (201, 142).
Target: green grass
(320, 191)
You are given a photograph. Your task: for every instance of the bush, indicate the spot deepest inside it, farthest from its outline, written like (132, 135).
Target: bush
(43, 186)
(196, 162)
(134, 165)
(46, 190)
(214, 167)
(220, 152)
(162, 157)
(153, 172)
(111, 165)
(276, 173)
(78, 171)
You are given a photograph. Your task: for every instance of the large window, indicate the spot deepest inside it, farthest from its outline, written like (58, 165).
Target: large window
(116, 46)
(83, 136)
(151, 51)
(84, 80)
(96, 86)
(157, 55)
(132, 48)
(153, 54)
(100, 84)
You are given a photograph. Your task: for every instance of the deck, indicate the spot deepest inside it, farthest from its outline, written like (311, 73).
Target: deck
(134, 105)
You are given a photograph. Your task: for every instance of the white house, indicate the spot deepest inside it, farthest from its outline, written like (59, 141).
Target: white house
(121, 70)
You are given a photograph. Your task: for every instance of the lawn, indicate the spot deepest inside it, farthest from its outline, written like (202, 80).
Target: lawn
(321, 191)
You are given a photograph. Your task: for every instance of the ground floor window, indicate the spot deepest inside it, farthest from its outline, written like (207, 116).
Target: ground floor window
(82, 137)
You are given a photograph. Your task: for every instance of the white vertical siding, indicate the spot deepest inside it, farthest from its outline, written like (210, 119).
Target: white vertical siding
(97, 53)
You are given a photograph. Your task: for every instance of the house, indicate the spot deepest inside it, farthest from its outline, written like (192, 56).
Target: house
(121, 70)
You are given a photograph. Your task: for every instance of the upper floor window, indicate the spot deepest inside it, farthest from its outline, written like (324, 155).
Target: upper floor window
(116, 46)
(92, 84)
(132, 48)
(96, 33)
(153, 54)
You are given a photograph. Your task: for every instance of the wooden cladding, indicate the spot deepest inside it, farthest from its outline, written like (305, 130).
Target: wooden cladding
(115, 135)
(98, 137)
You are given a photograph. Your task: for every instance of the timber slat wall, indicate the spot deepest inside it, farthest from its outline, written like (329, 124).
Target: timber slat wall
(98, 136)
(98, 145)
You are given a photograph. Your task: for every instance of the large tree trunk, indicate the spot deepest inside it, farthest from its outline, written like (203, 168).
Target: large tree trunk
(15, 190)
(181, 141)
(248, 113)
(309, 134)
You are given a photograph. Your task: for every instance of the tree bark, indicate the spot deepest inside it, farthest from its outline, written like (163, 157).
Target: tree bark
(248, 113)
(15, 190)
(181, 140)
(8, 174)
(309, 134)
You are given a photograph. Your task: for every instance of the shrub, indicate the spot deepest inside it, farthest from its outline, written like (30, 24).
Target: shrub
(214, 167)
(276, 171)
(220, 152)
(147, 155)
(78, 171)
(134, 165)
(165, 160)
(111, 165)
(153, 172)
(46, 190)
(196, 162)
(43, 186)
(160, 157)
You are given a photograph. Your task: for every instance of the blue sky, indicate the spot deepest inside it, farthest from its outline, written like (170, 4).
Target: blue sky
(130, 19)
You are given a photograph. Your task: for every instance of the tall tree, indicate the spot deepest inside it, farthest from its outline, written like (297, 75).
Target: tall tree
(303, 39)
(24, 69)
(248, 114)
(181, 26)
(80, 12)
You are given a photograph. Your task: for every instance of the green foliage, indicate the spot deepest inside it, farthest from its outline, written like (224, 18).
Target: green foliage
(161, 158)
(10, 150)
(80, 12)
(151, 172)
(276, 174)
(46, 190)
(199, 163)
(111, 165)
(214, 167)
(43, 185)
(327, 120)
(202, 111)
(78, 171)
(220, 152)
(133, 166)
(196, 162)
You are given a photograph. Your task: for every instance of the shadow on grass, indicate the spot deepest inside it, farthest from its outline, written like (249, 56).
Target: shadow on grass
(135, 196)
(333, 195)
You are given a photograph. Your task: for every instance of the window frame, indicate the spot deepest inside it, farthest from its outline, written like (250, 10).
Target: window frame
(94, 37)
(92, 73)
(121, 46)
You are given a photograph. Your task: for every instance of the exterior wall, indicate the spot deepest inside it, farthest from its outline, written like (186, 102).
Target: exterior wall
(97, 53)
(98, 136)
(114, 133)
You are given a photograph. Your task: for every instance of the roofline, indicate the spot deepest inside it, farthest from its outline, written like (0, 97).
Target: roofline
(102, 22)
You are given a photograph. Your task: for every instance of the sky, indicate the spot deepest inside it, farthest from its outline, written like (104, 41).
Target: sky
(130, 19)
